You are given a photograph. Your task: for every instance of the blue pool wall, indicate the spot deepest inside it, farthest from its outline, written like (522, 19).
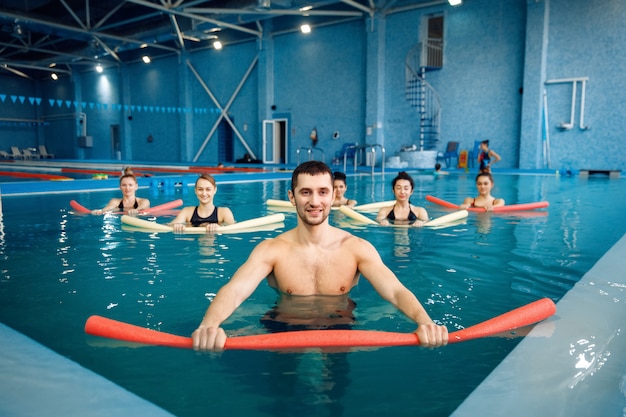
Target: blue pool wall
(349, 78)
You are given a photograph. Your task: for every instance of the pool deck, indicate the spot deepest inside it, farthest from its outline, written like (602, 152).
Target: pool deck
(573, 364)
(39, 382)
(530, 381)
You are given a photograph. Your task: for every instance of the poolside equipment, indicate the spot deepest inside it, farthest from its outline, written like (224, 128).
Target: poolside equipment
(452, 151)
(243, 225)
(162, 207)
(448, 218)
(522, 316)
(511, 207)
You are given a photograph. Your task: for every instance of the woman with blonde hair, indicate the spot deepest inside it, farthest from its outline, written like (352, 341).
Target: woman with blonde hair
(129, 202)
(205, 214)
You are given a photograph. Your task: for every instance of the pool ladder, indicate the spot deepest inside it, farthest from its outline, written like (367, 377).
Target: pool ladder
(364, 150)
(310, 152)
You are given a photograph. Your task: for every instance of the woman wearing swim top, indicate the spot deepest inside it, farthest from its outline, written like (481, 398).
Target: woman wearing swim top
(484, 184)
(206, 214)
(402, 212)
(339, 182)
(129, 202)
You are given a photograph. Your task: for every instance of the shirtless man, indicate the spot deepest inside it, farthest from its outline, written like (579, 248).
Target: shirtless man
(313, 259)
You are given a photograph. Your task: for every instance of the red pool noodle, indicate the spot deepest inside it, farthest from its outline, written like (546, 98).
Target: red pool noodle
(164, 206)
(511, 207)
(78, 207)
(519, 317)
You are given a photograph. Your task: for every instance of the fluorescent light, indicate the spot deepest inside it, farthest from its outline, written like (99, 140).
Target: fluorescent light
(305, 28)
(217, 45)
(455, 2)
(305, 8)
(145, 59)
(99, 68)
(54, 76)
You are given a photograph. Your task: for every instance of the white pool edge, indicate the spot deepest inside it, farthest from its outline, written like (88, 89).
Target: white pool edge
(37, 381)
(574, 363)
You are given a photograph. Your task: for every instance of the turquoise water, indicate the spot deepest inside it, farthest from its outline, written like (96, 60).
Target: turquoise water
(58, 268)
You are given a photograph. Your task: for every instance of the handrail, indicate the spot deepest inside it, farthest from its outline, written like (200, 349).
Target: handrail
(372, 148)
(345, 156)
(310, 152)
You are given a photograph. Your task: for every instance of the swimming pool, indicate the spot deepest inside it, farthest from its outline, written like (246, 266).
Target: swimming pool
(58, 268)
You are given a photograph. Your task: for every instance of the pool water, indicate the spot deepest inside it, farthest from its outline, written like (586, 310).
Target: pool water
(58, 268)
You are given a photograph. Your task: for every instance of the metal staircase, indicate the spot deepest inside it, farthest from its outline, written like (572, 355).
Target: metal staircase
(420, 94)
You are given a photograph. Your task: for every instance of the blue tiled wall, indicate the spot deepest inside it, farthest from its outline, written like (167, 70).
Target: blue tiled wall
(349, 77)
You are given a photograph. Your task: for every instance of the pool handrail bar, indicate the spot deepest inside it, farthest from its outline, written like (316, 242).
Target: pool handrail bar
(364, 148)
(310, 152)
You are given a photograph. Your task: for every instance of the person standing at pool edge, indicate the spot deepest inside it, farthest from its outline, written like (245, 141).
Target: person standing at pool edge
(485, 157)
(206, 213)
(313, 259)
(129, 201)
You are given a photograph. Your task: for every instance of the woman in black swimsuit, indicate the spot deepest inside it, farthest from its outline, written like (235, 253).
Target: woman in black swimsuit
(402, 212)
(129, 202)
(205, 214)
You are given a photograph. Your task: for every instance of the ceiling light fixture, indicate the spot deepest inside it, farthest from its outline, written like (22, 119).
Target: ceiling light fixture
(54, 76)
(99, 68)
(455, 2)
(146, 59)
(305, 28)
(217, 45)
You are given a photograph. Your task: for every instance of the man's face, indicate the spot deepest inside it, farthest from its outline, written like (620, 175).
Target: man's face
(313, 198)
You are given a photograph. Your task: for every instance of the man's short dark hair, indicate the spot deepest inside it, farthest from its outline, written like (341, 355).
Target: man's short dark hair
(309, 168)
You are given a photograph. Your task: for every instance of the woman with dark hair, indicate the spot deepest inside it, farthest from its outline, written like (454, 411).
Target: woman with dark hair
(339, 182)
(487, 157)
(402, 212)
(484, 184)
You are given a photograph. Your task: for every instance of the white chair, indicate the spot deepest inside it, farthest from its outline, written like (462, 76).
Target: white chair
(15, 153)
(5, 155)
(43, 152)
(29, 155)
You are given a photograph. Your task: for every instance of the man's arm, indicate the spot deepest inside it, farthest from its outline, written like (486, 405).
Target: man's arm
(391, 289)
(209, 335)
